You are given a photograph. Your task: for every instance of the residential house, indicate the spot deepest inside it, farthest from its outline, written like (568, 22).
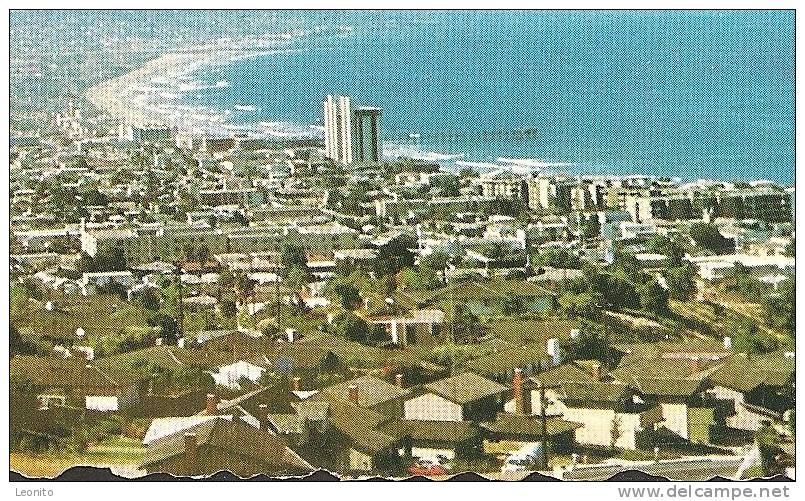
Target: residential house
(611, 414)
(341, 436)
(222, 445)
(231, 375)
(510, 433)
(484, 298)
(465, 397)
(550, 382)
(760, 387)
(368, 392)
(685, 411)
(678, 386)
(414, 327)
(69, 382)
(436, 441)
(501, 365)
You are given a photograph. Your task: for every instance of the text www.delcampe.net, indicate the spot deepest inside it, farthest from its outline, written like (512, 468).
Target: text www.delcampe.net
(691, 491)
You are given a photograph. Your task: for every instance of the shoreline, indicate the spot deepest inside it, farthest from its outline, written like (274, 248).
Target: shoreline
(129, 97)
(151, 95)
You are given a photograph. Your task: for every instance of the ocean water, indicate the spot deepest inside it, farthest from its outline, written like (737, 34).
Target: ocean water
(674, 93)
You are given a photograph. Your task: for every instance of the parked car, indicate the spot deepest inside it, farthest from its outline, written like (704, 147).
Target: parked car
(427, 468)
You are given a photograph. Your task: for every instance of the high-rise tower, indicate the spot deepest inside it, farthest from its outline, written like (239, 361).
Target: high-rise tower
(338, 128)
(351, 135)
(366, 134)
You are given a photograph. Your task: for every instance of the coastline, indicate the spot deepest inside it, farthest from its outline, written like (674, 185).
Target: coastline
(131, 96)
(152, 94)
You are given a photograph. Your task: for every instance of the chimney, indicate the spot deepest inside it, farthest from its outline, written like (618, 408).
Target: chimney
(191, 453)
(596, 371)
(262, 416)
(212, 403)
(353, 394)
(554, 350)
(295, 386)
(517, 391)
(398, 380)
(695, 365)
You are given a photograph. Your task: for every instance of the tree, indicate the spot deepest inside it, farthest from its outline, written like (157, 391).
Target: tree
(168, 328)
(681, 282)
(395, 255)
(424, 279)
(708, 237)
(293, 256)
(203, 253)
(790, 248)
(95, 197)
(296, 278)
(193, 377)
(348, 295)
(559, 259)
(653, 297)
(591, 227)
(351, 327)
(226, 280)
(768, 442)
(512, 306)
(110, 260)
(660, 244)
(437, 261)
(591, 344)
(628, 264)
(579, 305)
(244, 286)
(615, 290)
(228, 308)
(780, 306)
(464, 324)
(19, 345)
(149, 298)
(494, 250)
(615, 431)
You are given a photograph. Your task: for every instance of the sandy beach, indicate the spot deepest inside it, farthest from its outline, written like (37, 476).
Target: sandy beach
(151, 95)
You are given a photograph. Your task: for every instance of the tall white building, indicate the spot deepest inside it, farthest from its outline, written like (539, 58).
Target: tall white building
(338, 128)
(351, 135)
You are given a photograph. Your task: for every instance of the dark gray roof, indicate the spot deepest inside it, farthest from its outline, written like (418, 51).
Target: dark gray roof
(372, 391)
(465, 388)
(237, 438)
(528, 426)
(555, 376)
(669, 387)
(432, 431)
(594, 392)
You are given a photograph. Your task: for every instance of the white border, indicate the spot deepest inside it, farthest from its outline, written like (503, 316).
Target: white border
(292, 490)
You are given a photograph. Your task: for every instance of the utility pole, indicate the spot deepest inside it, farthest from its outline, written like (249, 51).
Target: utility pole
(452, 331)
(543, 419)
(180, 321)
(277, 286)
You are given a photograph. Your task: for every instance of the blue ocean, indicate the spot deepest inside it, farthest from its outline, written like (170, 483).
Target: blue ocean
(689, 94)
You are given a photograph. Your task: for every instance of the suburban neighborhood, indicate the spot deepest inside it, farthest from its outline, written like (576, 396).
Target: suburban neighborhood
(387, 317)
(192, 300)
